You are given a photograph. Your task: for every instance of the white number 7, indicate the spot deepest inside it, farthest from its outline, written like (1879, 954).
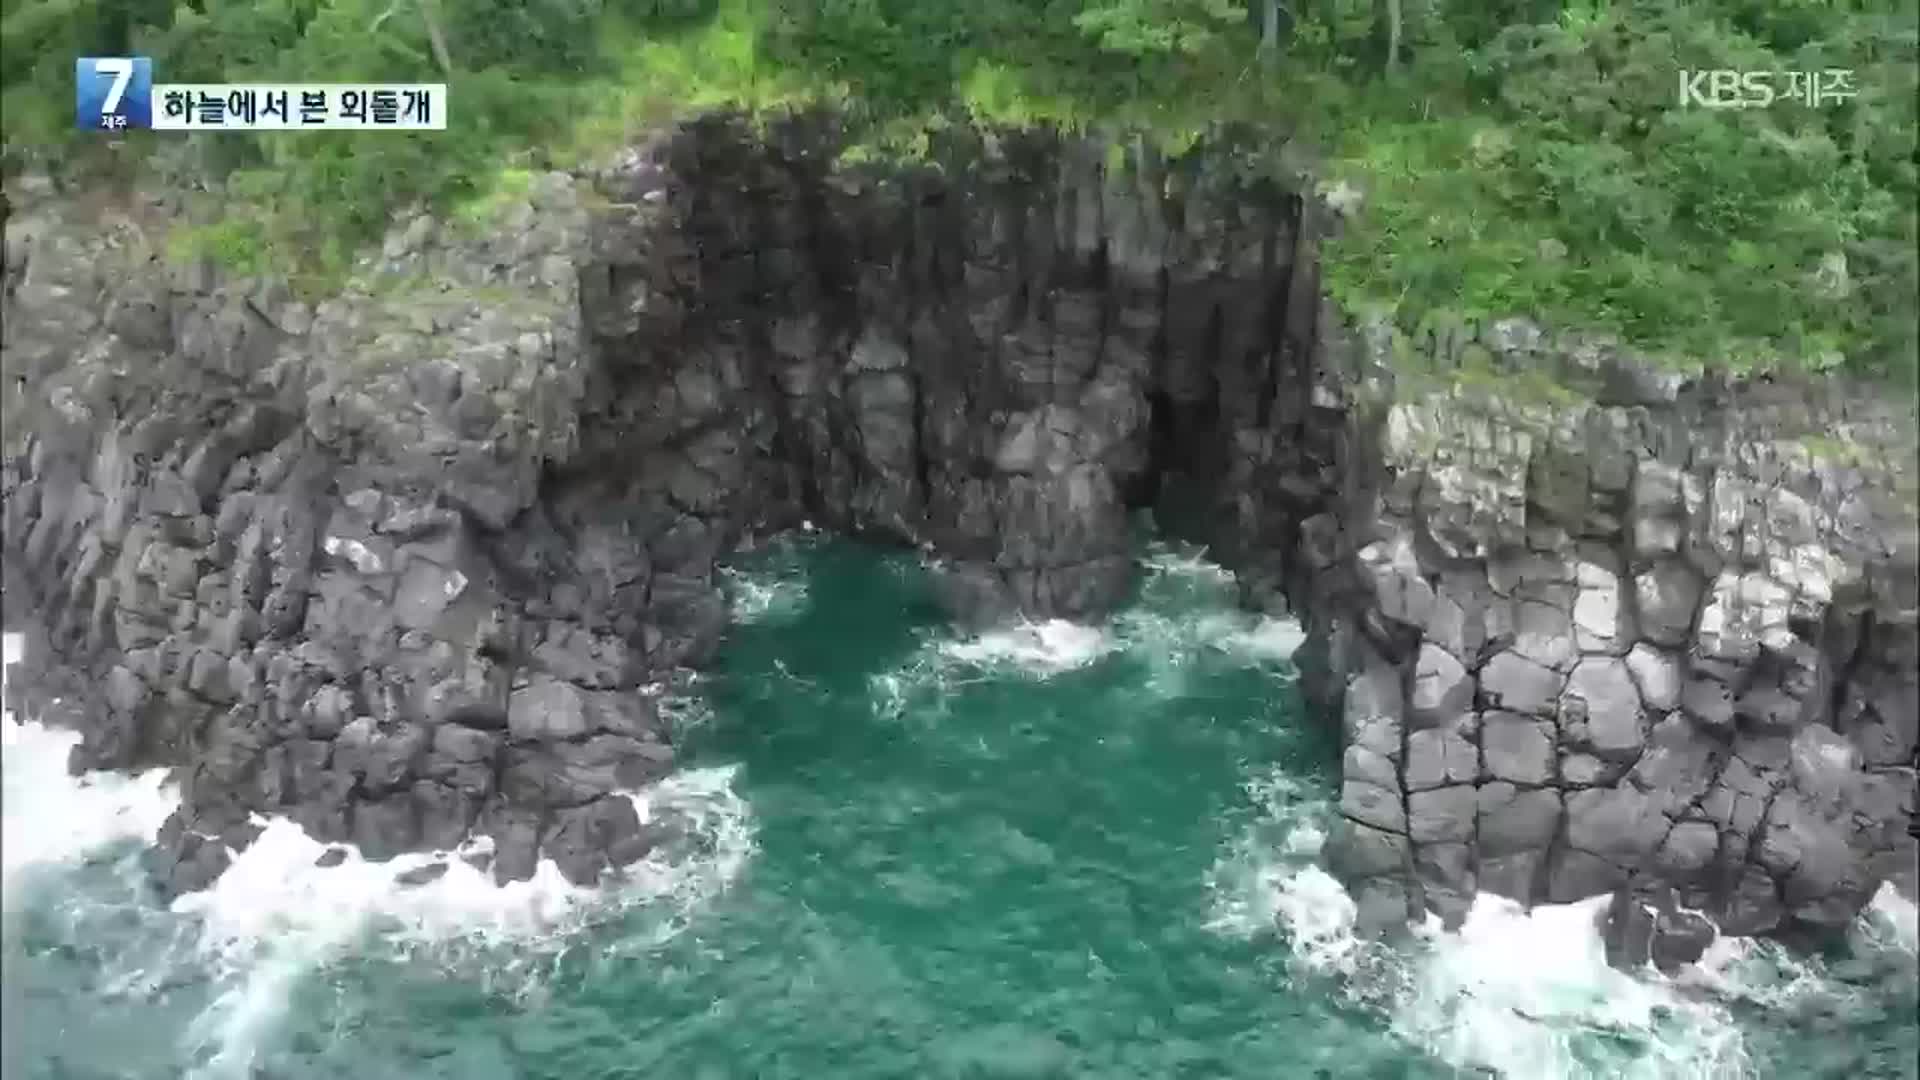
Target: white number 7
(121, 69)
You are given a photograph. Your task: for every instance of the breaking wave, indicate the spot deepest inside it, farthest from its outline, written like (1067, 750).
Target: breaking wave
(1511, 992)
(55, 820)
(758, 598)
(775, 589)
(1524, 993)
(276, 918)
(1186, 618)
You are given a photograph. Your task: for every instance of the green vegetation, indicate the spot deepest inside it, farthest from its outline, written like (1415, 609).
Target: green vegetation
(1837, 451)
(1512, 156)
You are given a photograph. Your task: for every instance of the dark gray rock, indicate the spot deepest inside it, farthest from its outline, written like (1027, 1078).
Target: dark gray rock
(1645, 924)
(386, 827)
(1516, 748)
(1708, 702)
(1627, 929)
(183, 861)
(420, 875)
(328, 570)
(1600, 709)
(1574, 875)
(1752, 906)
(548, 709)
(1442, 690)
(570, 774)
(1689, 848)
(1443, 815)
(1621, 824)
(381, 759)
(1512, 683)
(589, 660)
(1680, 938)
(1381, 806)
(1401, 592)
(1513, 820)
(464, 759)
(1668, 595)
(516, 853)
(1439, 758)
(583, 841)
(1543, 633)
(1657, 675)
(1447, 881)
(1363, 851)
(446, 814)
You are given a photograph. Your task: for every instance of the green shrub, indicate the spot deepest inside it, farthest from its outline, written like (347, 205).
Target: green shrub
(1516, 156)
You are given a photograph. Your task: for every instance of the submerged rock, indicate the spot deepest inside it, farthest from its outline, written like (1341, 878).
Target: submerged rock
(1645, 924)
(1680, 938)
(421, 875)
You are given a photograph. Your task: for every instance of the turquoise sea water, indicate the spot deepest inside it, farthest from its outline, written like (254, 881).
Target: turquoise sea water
(1046, 851)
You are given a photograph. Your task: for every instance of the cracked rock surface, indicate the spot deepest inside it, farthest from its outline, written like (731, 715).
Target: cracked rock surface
(1594, 642)
(410, 565)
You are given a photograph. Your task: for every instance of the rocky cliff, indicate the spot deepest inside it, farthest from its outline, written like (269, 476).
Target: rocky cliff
(1621, 631)
(409, 565)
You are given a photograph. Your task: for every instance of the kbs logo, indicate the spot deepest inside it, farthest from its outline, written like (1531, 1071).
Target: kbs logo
(113, 93)
(1726, 89)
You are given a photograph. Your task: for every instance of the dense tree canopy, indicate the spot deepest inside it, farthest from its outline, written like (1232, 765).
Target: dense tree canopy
(1525, 156)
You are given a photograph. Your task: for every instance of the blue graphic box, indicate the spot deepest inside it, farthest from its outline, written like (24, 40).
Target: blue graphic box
(113, 93)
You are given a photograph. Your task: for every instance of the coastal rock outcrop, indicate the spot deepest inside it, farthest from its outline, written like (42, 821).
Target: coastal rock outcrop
(412, 564)
(1605, 627)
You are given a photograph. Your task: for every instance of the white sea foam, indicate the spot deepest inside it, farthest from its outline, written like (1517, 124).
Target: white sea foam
(53, 819)
(1181, 639)
(1787, 986)
(1186, 617)
(1530, 993)
(1187, 563)
(1033, 650)
(763, 596)
(1522, 993)
(274, 918)
(1267, 638)
(1761, 974)
(1190, 614)
(1269, 879)
(1892, 921)
(1038, 648)
(1527, 993)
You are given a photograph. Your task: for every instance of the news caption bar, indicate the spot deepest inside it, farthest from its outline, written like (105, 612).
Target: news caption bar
(319, 106)
(118, 94)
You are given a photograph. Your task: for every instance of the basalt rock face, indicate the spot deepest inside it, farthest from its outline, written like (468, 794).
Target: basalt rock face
(263, 543)
(411, 565)
(1622, 628)
(406, 566)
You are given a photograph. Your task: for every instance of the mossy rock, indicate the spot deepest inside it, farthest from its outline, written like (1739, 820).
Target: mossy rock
(1477, 361)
